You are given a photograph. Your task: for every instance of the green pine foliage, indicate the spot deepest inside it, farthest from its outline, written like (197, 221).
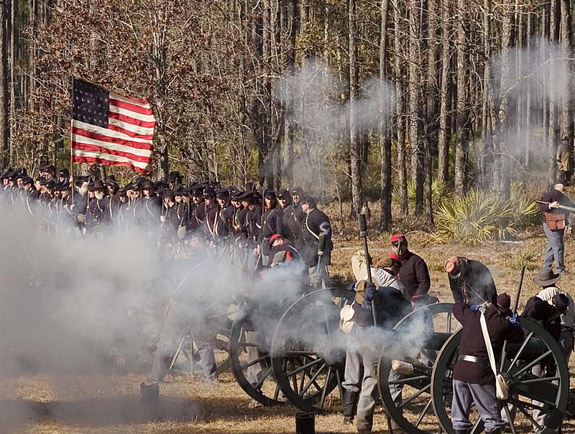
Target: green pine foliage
(484, 215)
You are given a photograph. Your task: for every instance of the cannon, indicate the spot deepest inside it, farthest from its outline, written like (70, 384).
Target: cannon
(277, 366)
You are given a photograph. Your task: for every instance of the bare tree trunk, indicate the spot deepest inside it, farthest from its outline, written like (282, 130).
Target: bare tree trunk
(505, 98)
(553, 110)
(399, 113)
(293, 26)
(4, 80)
(487, 126)
(566, 58)
(461, 148)
(415, 102)
(443, 138)
(384, 133)
(12, 26)
(430, 142)
(356, 185)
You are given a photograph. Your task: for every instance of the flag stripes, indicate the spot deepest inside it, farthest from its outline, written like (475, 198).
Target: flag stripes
(111, 129)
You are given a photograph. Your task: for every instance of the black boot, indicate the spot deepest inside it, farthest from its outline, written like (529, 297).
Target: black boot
(349, 406)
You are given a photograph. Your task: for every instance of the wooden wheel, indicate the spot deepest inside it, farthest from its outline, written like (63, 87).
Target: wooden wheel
(548, 394)
(308, 358)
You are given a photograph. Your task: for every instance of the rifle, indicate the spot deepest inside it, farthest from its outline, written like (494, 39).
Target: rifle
(565, 207)
(363, 234)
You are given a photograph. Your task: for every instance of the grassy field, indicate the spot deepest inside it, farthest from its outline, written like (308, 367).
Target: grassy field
(111, 404)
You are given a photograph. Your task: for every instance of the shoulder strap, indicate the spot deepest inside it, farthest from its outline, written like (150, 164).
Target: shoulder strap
(488, 343)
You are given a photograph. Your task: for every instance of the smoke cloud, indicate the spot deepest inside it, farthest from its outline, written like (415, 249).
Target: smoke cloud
(317, 105)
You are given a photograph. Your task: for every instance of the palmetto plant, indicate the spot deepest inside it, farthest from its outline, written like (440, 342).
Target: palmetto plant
(483, 215)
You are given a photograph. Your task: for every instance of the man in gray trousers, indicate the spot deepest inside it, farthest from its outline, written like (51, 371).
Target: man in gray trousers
(473, 378)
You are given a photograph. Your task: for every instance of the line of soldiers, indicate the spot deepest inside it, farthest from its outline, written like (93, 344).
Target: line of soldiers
(181, 216)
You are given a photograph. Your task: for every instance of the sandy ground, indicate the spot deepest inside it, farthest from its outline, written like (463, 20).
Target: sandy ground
(50, 403)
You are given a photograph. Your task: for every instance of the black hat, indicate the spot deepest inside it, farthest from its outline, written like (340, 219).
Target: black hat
(197, 191)
(27, 180)
(245, 196)
(222, 193)
(177, 192)
(283, 194)
(43, 181)
(237, 195)
(169, 194)
(209, 192)
(270, 194)
(148, 185)
(546, 277)
(561, 302)
(99, 185)
(64, 172)
(50, 169)
(51, 185)
(310, 201)
(297, 190)
(504, 301)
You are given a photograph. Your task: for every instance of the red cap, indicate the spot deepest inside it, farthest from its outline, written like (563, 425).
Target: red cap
(394, 256)
(397, 237)
(274, 237)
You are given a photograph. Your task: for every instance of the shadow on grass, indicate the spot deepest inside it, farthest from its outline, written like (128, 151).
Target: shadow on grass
(110, 411)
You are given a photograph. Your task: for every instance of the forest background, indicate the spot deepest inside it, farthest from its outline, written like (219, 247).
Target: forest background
(447, 113)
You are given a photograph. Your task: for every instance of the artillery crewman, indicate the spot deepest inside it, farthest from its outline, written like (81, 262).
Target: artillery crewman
(413, 272)
(469, 278)
(473, 378)
(554, 224)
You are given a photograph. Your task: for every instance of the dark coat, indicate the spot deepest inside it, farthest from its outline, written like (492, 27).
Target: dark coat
(414, 274)
(315, 223)
(544, 314)
(293, 218)
(473, 344)
(390, 307)
(98, 212)
(272, 222)
(474, 284)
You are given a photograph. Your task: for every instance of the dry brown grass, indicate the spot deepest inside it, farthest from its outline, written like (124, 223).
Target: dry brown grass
(111, 404)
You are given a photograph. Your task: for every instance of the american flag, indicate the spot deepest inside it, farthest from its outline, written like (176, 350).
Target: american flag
(110, 129)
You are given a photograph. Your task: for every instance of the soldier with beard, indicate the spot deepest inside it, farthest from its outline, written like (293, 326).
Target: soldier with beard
(239, 210)
(198, 209)
(98, 214)
(252, 227)
(170, 219)
(293, 217)
(151, 206)
(30, 198)
(227, 210)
